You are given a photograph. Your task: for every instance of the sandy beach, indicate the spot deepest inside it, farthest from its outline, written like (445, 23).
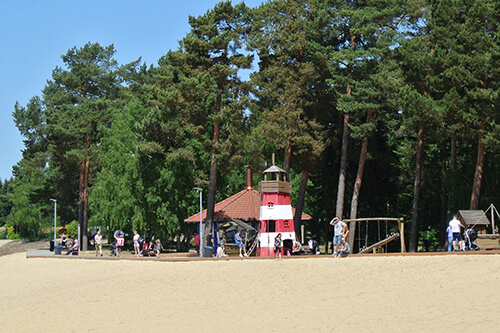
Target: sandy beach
(375, 294)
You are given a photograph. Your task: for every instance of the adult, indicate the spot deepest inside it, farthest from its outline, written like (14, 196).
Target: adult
(338, 233)
(209, 245)
(450, 237)
(344, 249)
(98, 243)
(119, 241)
(74, 248)
(455, 226)
(277, 245)
(197, 243)
(137, 245)
(64, 239)
(239, 241)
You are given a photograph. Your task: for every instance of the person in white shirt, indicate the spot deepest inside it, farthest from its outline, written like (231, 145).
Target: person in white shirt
(455, 226)
(98, 243)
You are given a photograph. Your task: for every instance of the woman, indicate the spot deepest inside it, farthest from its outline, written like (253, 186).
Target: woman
(277, 245)
(136, 243)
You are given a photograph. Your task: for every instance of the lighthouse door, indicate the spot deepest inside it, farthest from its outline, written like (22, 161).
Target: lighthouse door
(287, 246)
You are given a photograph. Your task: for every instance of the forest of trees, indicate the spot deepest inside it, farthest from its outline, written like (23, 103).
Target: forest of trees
(375, 108)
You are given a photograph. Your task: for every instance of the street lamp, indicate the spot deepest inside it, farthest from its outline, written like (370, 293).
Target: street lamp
(55, 210)
(200, 191)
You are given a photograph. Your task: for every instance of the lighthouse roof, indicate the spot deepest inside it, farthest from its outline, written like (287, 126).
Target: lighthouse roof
(273, 169)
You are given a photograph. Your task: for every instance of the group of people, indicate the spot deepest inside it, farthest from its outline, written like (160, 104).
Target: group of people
(119, 241)
(455, 240)
(221, 251)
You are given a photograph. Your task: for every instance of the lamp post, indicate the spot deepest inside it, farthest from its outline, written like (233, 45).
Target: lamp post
(200, 191)
(55, 210)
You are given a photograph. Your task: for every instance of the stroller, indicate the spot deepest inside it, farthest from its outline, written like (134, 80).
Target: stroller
(313, 246)
(470, 240)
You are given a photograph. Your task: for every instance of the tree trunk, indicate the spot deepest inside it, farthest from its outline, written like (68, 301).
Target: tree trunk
(478, 176)
(453, 151)
(83, 206)
(444, 204)
(343, 164)
(212, 186)
(357, 188)
(297, 219)
(357, 185)
(339, 211)
(416, 190)
(288, 153)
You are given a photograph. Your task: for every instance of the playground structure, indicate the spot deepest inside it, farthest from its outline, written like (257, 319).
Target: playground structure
(477, 220)
(377, 246)
(275, 212)
(226, 231)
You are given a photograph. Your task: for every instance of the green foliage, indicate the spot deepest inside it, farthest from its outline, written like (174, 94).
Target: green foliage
(72, 229)
(11, 234)
(137, 140)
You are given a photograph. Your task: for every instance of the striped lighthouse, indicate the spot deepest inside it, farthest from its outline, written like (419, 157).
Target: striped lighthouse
(275, 211)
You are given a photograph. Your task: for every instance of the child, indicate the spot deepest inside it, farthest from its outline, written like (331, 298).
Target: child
(158, 248)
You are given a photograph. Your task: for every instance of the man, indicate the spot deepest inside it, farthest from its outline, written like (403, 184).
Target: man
(74, 248)
(344, 249)
(210, 243)
(120, 241)
(338, 228)
(455, 226)
(239, 241)
(98, 243)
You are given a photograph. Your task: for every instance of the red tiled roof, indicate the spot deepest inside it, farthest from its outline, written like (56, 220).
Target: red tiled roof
(244, 205)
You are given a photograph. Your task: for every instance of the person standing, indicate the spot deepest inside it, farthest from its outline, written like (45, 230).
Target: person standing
(119, 241)
(210, 243)
(98, 243)
(450, 237)
(277, 245)
(455, 226)
(158, 248)
(137, 244)
(338, 233)
(239, 241)
(197, 243)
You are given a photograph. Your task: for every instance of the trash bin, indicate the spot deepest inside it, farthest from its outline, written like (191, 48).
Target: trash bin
(207, 252)
(51, 245)
(57, 249)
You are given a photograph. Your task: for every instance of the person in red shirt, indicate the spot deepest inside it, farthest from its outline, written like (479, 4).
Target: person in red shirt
(197, 243)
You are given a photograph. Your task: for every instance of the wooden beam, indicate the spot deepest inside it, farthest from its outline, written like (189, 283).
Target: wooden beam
(374, 219)
(379, 244)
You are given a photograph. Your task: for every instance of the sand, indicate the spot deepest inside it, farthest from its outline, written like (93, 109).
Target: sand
(364, 294)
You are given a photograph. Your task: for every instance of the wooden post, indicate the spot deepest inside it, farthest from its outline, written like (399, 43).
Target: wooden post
(401, 227)
(492, 219)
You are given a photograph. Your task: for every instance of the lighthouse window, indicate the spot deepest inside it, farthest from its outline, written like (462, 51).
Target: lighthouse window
(271, 226)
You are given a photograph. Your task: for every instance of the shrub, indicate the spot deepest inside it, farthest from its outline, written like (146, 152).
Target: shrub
(11, 234)
(72, 229)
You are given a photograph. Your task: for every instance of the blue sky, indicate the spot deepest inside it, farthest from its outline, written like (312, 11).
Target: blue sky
(34, 35)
